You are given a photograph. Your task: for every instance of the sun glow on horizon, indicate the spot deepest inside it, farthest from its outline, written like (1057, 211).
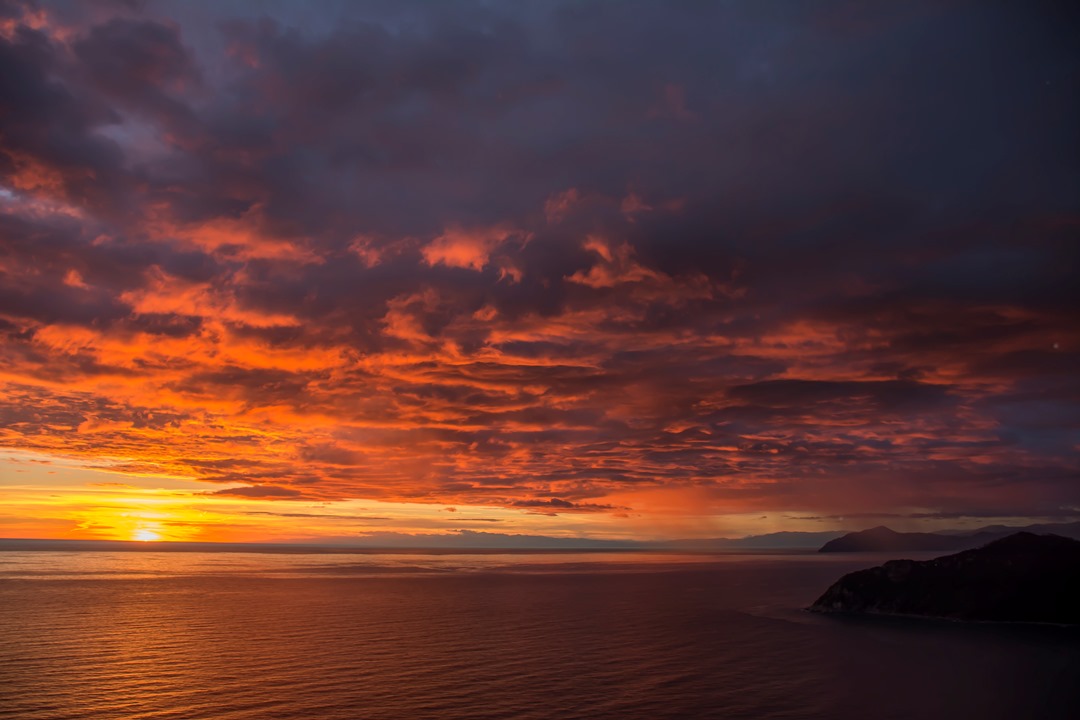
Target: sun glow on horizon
(145, 535)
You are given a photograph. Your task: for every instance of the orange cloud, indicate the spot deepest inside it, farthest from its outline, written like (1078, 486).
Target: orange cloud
(617, 266)
(461, 248)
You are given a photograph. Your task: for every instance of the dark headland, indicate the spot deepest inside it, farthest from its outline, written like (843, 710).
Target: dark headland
(1020, 578)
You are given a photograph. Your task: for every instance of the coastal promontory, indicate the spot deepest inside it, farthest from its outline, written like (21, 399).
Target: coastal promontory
(1020, 578)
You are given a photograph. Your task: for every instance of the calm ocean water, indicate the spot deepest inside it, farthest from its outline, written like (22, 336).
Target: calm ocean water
(231, 636)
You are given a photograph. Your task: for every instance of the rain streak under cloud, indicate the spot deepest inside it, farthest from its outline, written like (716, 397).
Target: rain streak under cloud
(581, 268)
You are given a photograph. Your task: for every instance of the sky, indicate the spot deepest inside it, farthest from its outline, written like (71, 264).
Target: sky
(275, 271)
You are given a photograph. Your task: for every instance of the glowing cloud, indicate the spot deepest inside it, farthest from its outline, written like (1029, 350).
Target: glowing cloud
(343, 277)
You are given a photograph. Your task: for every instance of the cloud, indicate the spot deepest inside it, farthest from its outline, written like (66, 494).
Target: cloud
(560, 504)
(320, 516)
(464, 249)
(583, 260)
(259, 491)
(141, 65)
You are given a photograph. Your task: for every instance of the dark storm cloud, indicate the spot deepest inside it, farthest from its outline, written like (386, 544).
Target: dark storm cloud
(136, 64)
(774, 254)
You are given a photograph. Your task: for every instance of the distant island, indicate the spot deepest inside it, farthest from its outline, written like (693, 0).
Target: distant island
(883, 539)
(1020, 578)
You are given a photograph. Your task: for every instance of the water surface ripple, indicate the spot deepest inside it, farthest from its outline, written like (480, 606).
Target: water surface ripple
(223, 636)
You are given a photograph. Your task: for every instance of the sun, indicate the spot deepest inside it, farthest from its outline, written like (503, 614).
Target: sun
(145, 536)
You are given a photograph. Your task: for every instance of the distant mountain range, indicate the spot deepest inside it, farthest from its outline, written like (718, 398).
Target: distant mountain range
(879, 539)
(462, 541)
(490, 540)
(883, 539)
(769, 541)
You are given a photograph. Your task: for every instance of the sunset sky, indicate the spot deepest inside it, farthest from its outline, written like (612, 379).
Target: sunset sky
(295, 271)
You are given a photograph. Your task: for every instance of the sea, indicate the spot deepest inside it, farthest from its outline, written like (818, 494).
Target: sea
(410, 635)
